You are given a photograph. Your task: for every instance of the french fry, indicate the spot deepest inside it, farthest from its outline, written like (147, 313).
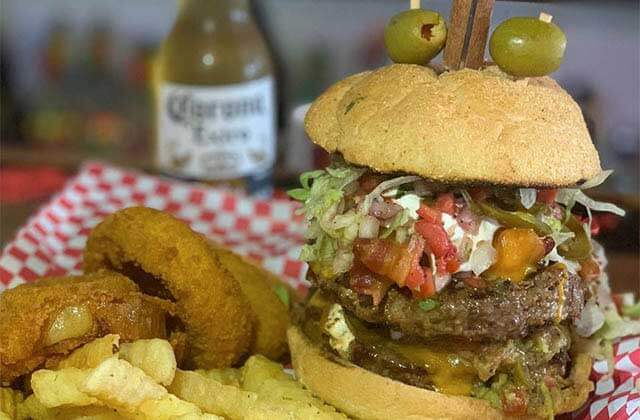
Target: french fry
(258, 369)
(171, 407)
(117, 383)
(290, 400)
(155, 357)
(92, 354)
(31, 409)
(9, 400)
(54, 388)
(211, 396)
(226, 376)
(279, 392)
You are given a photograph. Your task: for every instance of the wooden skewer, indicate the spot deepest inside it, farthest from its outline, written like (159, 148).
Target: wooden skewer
(479, 34)
(467, 33)
(414, 4)
(456, 33)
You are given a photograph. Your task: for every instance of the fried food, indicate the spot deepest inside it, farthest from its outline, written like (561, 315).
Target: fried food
(43, 321)
(168, 260)
(261, 289)
(98, 383)
(9, 400)
(265, 392)
(154, 356)
(113, 388)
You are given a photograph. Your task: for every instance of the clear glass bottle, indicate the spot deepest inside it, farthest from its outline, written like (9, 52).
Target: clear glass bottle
(215, 97)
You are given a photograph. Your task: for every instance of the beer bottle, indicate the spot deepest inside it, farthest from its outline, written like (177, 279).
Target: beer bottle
(215, 97)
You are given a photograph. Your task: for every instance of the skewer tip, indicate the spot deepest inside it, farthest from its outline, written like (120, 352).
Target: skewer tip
(545, 17)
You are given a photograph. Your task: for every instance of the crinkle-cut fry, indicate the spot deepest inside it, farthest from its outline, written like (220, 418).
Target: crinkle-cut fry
(93, 353)
(54, 388)
(154, 356)
(226, 376)
(170, 407)
(32, 409)
(211, 396)
(118, 383)
(9, 400)
(234, 403)
(204, 416)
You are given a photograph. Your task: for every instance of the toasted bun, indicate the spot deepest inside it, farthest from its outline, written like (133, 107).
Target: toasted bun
(468, 126)
(363, 394)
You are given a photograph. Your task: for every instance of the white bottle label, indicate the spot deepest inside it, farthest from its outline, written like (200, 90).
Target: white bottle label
(216, 132)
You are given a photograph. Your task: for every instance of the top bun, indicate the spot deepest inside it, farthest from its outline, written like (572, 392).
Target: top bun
(467, 126)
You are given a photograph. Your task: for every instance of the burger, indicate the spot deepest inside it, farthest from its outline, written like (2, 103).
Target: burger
(449, 246)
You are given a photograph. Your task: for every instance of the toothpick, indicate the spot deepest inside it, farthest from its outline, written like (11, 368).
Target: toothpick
(545, 17)
(467, 33)
(414, 4)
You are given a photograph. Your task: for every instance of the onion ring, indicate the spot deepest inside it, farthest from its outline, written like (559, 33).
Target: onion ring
(169, 260)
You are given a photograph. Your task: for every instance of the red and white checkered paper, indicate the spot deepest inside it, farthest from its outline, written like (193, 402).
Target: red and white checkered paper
(53, 240)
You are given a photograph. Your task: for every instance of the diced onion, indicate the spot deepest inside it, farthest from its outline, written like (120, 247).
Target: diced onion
(468, 220)
(369, 227)
(384, 209)
(482, 257)
(442, 281)
(383, 186)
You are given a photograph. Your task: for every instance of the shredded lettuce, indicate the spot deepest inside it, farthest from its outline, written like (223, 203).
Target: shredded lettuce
(616, 326)
(569, 196)
(631, 311)
(528, 197)
(331, 229)
(398, 220)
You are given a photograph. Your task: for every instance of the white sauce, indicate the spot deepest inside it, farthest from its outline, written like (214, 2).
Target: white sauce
(410, 202)
(340, 336)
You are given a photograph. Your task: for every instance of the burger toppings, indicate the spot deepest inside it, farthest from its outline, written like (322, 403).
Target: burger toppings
(485, 292)
(418, 235)
(506, 373)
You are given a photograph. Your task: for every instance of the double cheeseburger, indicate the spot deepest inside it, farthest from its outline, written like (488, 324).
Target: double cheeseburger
(449, 247)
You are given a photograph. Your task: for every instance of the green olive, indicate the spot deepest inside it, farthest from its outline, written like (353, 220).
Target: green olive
(527, 47)
(415, 36)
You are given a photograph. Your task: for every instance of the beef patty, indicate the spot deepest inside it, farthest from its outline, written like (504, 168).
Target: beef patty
(500, 311)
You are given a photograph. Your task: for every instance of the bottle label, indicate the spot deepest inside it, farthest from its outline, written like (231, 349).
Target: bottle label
(216, 132)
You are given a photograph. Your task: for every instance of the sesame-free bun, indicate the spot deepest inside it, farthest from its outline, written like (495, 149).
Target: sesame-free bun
(467, 126)
(366, 395)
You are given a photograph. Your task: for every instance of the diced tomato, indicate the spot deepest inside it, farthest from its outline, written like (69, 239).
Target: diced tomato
(428, 287)
(435, 237)
(514, 402)
(590, 270)
(546, 196)
(398, 262)
(446, 203)
(595, 226)
(595, 223)
(429, 214)
(364, 282)
(452, 265)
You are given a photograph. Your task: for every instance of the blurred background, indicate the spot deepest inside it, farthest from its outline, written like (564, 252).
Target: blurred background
(76, 84)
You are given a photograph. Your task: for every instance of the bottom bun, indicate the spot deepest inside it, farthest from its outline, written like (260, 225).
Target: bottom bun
(366, 395)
